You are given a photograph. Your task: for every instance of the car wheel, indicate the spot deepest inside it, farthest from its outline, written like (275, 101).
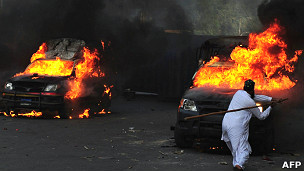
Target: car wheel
(181, 139)
(64, 112)
(266, 147)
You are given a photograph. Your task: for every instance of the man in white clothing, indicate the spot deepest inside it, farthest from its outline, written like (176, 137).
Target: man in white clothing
(235, 125)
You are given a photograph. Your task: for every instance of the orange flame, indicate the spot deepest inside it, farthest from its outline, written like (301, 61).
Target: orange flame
(31, 114)
(85, 69)
(50, 67)
(103, 45)
(40, 53)
(85, 114)
(103, 112)
(108, 90)
(265, 61)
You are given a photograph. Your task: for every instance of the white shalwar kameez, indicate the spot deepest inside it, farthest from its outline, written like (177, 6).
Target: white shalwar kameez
(235, 125)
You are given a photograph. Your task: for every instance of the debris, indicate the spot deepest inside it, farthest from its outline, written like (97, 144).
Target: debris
(90, 158)
(179, 152)
(136, 142)
(167, 146)
(135, 160)
(131, 129)
(222, 163)
(162, 153)
(103, 158)
(87, 148)
(130, 167)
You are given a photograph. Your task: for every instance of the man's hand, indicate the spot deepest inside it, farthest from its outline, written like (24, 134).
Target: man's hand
(275, 101)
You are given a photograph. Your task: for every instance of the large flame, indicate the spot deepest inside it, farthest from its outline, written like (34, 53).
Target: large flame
(88, 67)
(264, 60)
(50, 67)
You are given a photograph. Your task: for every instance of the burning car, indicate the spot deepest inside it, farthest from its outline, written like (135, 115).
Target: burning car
(64, 77)
(225, 63)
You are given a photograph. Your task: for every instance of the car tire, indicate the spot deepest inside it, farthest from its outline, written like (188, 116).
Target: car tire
(181, 140)
(259, 148)
(64, 112)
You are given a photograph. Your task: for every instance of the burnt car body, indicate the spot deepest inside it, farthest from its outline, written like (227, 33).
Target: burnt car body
(201, 100)
(46, 93)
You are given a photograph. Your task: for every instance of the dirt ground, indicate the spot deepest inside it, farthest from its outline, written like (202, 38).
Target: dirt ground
(135, 136)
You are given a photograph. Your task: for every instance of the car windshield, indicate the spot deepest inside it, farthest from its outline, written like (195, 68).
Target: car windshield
(50, 67)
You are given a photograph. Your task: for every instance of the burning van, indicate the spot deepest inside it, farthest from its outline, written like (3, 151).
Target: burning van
(64, 77)
(224, 64)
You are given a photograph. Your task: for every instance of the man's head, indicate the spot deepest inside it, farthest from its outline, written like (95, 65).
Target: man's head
(249, 87)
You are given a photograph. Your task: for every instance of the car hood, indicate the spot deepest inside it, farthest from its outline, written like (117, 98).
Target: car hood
(38, 78)
(202, 93)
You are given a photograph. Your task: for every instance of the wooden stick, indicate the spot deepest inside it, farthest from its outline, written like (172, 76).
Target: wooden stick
(223, 112)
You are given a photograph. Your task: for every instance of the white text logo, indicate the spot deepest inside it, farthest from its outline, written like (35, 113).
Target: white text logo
(291, 164)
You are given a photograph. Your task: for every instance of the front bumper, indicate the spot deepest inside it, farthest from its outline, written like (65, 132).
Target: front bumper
(204, 127)
(32, 100)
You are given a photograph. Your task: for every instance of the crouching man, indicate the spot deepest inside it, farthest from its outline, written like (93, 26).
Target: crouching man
(235, 125)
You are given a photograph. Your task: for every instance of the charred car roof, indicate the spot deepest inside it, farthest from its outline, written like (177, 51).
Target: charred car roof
(64, 48)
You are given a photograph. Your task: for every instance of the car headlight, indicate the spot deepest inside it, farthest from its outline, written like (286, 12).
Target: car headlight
(51, 87)
(8, 86)
(261, 107)
(187, 104)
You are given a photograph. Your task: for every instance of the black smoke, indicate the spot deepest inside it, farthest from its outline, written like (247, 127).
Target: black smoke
(289, 120)
(26, 24)
(289, 13)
